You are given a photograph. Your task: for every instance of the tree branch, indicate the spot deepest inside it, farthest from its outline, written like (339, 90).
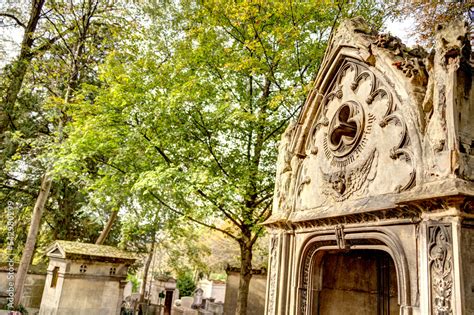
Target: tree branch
(208, 142)
(264, 210)
(13, 17)
(158, 149)
(111, 165)
(257, 233)
(191, 218)
(46, 45)
(225, 212)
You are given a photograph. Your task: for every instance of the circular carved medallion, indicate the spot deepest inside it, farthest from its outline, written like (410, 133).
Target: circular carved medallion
(346, 128)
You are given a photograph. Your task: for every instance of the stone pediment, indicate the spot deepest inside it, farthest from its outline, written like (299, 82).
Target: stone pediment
(369, 131)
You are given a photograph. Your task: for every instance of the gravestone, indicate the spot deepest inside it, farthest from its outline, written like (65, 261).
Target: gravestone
(84, 279)
(197, 301)
(373, 208)
(213, 289)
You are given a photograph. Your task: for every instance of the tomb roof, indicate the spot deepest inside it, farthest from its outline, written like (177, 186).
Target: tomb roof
(69, 249)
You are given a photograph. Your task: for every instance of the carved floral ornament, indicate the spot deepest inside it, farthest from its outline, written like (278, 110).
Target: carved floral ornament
(341, 141)
(440, 256)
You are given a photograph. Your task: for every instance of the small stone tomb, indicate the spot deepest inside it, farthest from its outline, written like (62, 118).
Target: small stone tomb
(84, 279)
(163, 293)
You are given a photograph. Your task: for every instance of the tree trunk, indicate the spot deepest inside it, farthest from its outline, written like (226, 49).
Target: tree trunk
(31, 239)
(245, 276)
(105, 232)
(19, 68)
(145, 272)
(10, 99)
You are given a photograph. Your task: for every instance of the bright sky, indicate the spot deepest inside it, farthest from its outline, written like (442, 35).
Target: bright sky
(10, 39)
(401, 29)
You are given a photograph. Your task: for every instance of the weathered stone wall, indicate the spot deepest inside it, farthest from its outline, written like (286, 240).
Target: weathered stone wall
(95, 291)
(256, 299)
(467, 256)
(32, 292)
(351, 282)
(87, 296)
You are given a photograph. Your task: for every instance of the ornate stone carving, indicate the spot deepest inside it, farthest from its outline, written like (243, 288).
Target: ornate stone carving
(411, 213)
(273, 274)
(409, 61)
(414, 69)
(440, 265)
(401, 150)
(340, 236)
(346, 128)
(389, 42)
(284, 171)
(340, 185)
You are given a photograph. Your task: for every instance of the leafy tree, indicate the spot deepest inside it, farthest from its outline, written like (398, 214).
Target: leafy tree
(188, 115)
(35, 89)
(185, 284)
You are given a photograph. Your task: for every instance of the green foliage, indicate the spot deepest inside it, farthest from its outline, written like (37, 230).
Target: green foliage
(202, 96)
(135, 282)
(185, 284)
(72, 38)
(187, 116)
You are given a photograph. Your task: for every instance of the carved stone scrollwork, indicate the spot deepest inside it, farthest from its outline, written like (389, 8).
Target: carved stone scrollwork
(400, 150)
(440, 266)
(273, 274)
(353, 113)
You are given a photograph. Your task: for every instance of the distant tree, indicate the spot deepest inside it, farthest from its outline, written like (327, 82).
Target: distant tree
(62, 45)
(185, 284)
(429, 14)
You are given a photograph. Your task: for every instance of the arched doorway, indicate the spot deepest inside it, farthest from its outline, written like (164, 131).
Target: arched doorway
(354, 271)
(356, 282)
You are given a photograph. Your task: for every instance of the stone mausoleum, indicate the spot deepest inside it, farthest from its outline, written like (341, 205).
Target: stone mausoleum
(84, 279)
(373, 210)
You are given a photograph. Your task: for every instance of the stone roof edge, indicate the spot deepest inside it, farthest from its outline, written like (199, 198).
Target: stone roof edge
(60, 244)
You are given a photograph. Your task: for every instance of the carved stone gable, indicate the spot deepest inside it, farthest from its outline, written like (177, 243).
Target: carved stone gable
(357, 141)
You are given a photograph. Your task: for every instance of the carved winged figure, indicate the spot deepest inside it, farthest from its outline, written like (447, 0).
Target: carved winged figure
(342, 184)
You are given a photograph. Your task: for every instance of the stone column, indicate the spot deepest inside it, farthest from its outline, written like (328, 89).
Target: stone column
(279, 273)
(441, 270)
(122, 285)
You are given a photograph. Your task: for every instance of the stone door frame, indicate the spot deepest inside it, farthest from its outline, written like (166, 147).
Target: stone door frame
(310, 257)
